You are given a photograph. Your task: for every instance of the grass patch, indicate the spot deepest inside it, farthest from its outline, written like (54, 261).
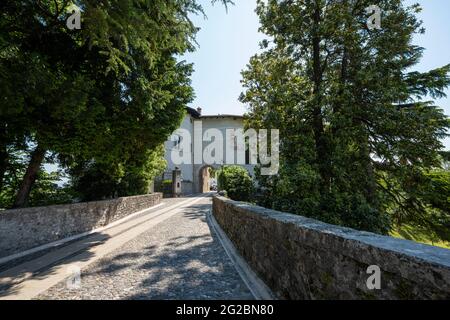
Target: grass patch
(418, 234)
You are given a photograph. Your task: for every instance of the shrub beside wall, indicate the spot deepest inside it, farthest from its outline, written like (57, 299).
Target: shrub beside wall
(237, 182)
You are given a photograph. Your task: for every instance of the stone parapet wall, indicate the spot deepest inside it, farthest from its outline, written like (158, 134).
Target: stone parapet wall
(23, 229)
(301, 258)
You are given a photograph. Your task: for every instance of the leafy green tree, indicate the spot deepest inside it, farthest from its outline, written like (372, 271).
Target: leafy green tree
(109, 93)
(353, 117)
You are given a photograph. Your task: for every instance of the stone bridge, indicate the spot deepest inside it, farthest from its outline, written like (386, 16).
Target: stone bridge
(190, 248)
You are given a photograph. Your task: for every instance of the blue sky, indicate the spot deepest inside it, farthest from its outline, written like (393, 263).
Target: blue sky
(227, 40)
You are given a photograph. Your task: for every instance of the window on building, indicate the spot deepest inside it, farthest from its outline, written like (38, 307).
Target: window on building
(177, 142)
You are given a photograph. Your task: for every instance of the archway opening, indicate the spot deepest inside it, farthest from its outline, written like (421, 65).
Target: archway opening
(208, 181)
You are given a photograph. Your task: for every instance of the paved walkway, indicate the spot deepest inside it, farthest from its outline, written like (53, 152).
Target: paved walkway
(176, 257)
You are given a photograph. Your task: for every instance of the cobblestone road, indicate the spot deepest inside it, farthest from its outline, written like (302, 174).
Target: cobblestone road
(180, 258)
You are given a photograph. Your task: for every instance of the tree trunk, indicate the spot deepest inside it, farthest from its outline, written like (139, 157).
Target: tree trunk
(3, 163)
(3, 155)
(318, 126)
(371, 181)
(30, 177)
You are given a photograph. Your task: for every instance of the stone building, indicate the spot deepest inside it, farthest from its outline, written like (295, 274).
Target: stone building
(196, 178)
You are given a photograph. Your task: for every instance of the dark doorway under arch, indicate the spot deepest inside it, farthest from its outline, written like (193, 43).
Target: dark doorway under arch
(207, 178)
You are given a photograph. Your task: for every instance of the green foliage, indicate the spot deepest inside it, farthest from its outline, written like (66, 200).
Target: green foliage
(102, 98)
(357, 135)
(167, 187)
(437, 191)
(93, 181)
(48, 188)
(49, 191)
(431, 225)
(425, 205)
(236, 181)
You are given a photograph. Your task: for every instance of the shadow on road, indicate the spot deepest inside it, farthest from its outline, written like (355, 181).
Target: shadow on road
(197, 267)
(180, 259)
